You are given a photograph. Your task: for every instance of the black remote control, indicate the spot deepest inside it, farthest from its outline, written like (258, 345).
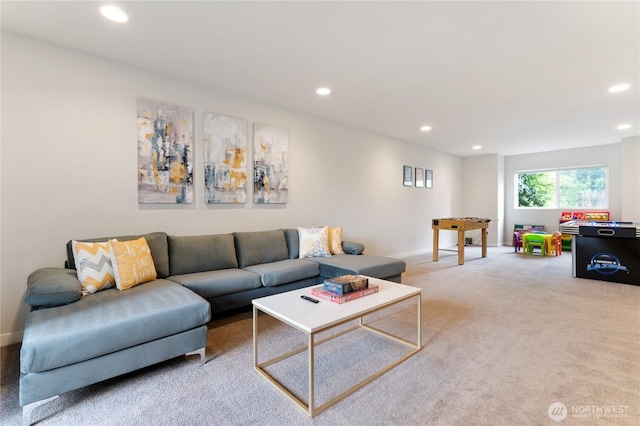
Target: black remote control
(310, 299)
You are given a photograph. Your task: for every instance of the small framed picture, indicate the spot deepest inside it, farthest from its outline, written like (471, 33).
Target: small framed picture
(429, 178)
(407, 176)
(419, 177)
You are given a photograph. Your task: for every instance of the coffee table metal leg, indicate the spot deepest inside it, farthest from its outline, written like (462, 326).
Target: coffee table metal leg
(419, 308)
(311, 376)
(255, 337)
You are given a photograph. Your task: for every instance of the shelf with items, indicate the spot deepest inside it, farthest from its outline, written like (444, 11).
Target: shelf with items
(598, 216)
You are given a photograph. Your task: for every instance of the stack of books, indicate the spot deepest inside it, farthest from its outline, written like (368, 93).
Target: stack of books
(344, 288)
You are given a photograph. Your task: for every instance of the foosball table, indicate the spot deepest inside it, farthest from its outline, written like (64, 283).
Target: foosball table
(460, 224)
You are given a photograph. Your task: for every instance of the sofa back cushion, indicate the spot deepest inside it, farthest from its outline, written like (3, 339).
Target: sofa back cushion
(254, 248)
(201, 253)
(157, 244)
(293, 242)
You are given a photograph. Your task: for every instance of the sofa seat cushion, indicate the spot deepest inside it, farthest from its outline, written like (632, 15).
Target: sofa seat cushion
(285, 271)
(219, 283)
(373, 266)
(109, 321)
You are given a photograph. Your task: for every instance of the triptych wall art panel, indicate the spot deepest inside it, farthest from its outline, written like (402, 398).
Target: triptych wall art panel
(165, 157)
(225, 153)
(270, 164)
(165, 153)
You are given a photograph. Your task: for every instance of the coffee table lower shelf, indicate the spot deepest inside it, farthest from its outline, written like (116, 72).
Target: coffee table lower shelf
(309, 407)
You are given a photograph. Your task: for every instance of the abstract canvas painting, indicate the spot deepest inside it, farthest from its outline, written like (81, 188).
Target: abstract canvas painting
(165, 153)
(270, 164)
(225, 152)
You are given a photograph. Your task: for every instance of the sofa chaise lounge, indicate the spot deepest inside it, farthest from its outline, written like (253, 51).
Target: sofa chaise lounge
(71, 341)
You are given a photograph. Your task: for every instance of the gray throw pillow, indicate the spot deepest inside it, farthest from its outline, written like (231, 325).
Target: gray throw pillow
(352, 248)
(50, 287)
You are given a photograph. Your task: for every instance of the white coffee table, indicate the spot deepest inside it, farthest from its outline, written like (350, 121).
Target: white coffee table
(313, 318)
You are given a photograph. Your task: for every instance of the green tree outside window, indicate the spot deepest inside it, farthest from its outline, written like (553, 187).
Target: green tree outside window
(584, 187)
(536, 189)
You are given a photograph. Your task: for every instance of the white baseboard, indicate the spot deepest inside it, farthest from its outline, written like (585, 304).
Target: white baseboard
(410, 253)
(10, 338)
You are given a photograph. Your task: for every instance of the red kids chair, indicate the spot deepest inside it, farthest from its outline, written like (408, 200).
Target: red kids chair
(556, 243)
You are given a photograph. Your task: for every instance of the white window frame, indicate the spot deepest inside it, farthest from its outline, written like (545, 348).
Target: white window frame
(557, 171)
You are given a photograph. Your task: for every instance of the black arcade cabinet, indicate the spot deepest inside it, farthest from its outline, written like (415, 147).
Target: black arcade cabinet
(607, 251)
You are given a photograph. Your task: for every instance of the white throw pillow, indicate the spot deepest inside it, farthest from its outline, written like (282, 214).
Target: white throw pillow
(314, 242)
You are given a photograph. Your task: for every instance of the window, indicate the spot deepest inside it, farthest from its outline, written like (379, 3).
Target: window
(536, 189)
(584, 187)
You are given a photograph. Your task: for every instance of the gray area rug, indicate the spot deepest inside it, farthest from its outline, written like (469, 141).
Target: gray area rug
(505, 340)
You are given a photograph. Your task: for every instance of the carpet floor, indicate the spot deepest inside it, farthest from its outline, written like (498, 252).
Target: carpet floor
(507, 340)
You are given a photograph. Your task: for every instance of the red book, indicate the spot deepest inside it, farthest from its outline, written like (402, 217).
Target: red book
(343, 298)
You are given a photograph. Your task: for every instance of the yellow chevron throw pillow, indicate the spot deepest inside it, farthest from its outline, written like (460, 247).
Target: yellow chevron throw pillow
(93, 265)
(132, 263)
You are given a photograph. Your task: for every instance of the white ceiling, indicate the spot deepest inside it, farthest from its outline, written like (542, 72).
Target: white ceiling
(514, 77)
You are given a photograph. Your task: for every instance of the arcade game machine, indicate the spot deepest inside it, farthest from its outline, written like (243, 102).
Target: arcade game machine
(606, 251)
(599, 216)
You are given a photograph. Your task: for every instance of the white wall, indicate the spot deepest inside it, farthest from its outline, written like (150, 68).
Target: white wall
(69, 161)
(483, 195)
(603, 154)
(630, 185)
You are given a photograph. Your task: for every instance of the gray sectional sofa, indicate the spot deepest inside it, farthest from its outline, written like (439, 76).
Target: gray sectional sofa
(71, 341)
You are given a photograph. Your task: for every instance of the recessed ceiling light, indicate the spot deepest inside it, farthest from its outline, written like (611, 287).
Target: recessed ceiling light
(477, 146)
(114, 13)
(624, 126)
(323, 91)
(619, 88)
(425, 128)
